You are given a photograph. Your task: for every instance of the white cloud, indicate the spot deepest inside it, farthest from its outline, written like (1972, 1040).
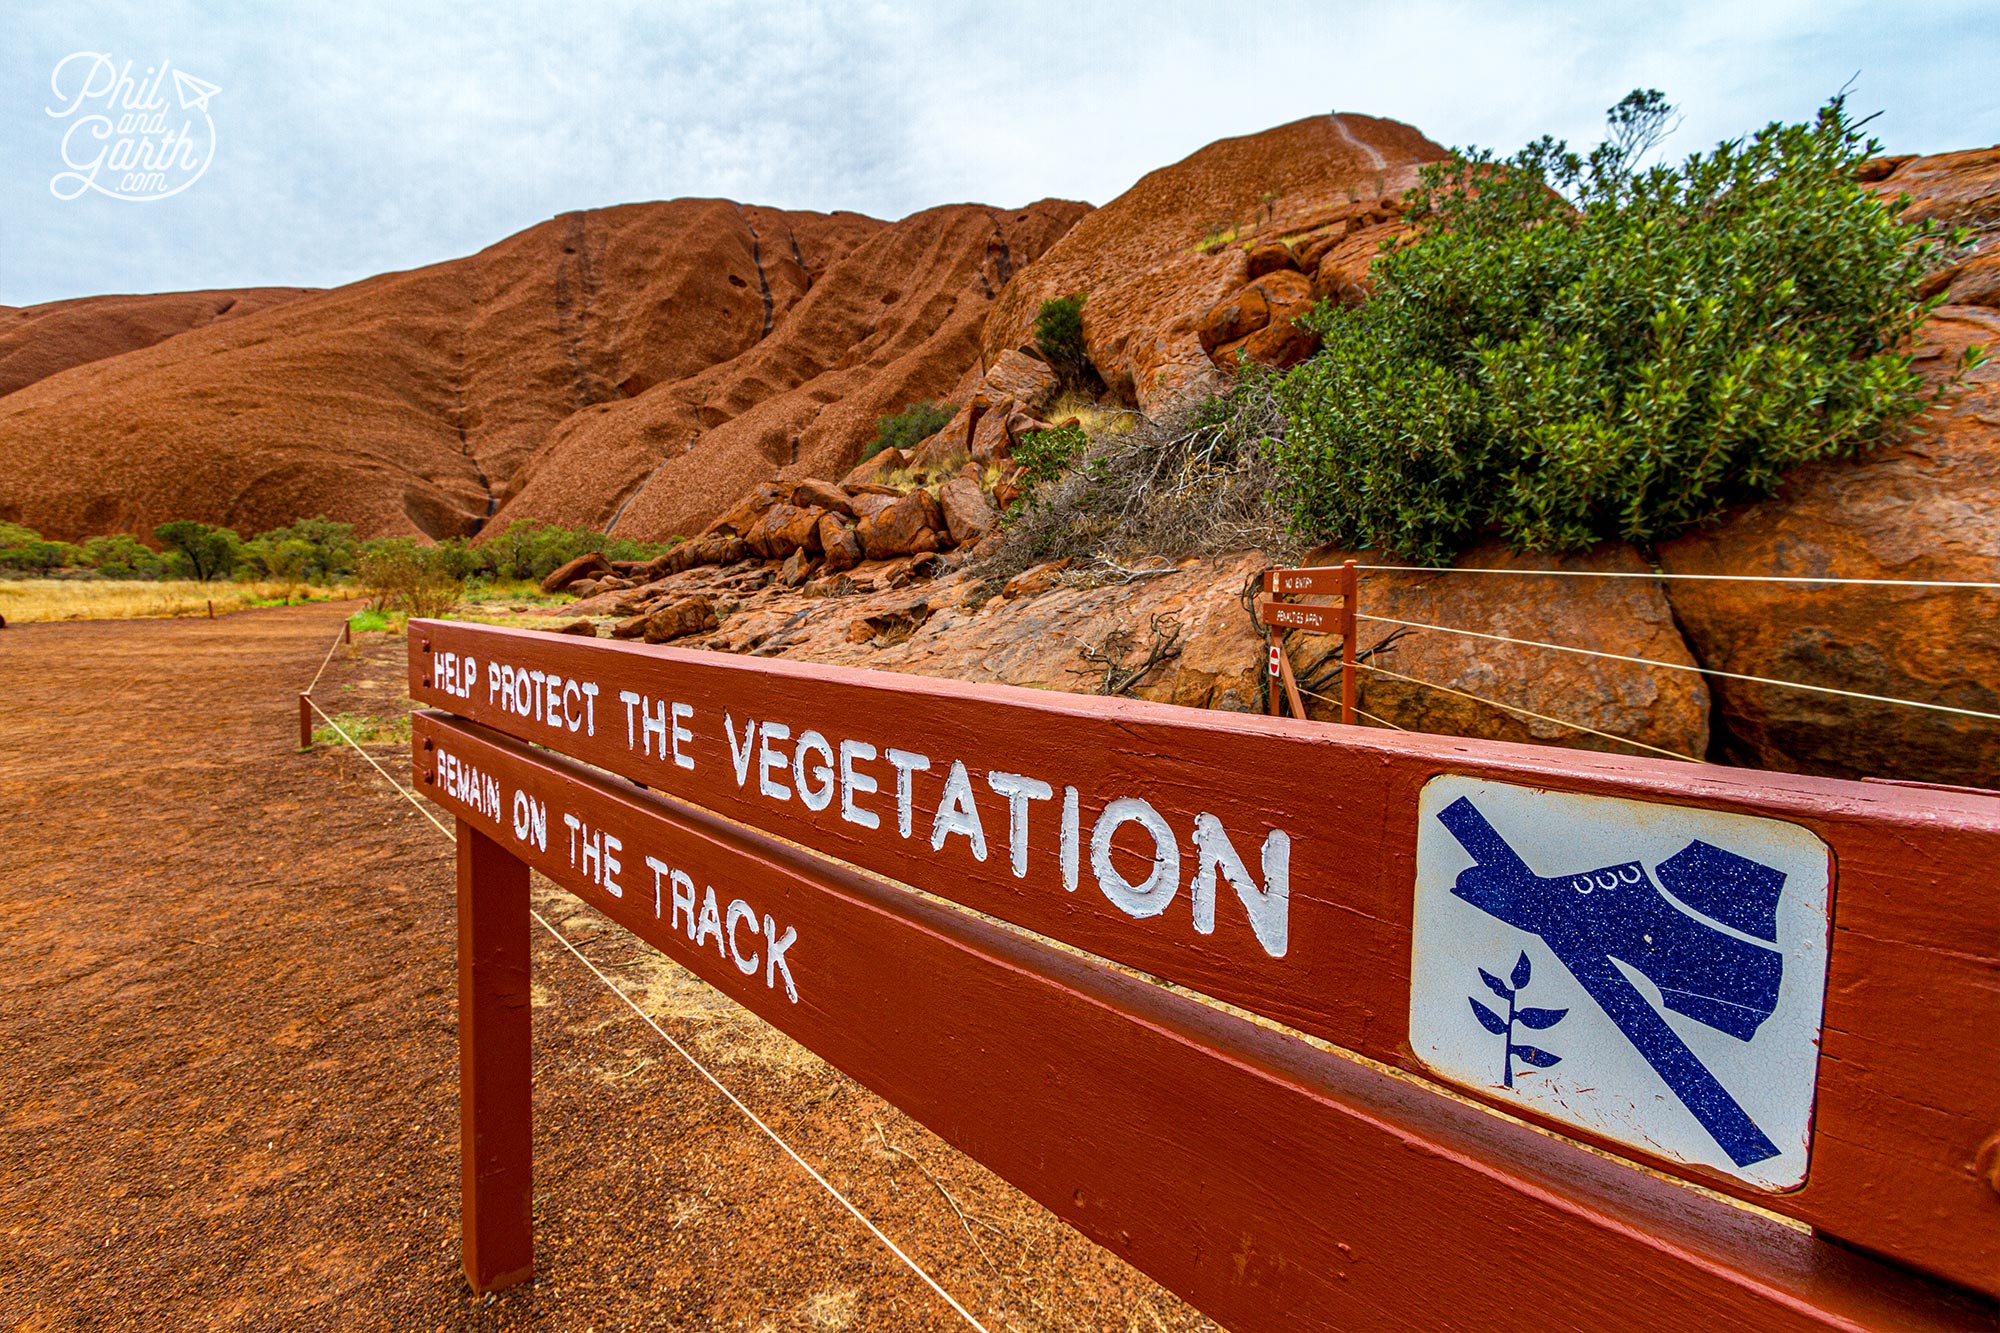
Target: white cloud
(383, 134)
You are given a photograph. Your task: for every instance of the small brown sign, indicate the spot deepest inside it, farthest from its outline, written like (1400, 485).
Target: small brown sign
(1304, 582)
(1288, 615)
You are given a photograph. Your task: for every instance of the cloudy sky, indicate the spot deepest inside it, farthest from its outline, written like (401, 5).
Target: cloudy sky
(365, 135)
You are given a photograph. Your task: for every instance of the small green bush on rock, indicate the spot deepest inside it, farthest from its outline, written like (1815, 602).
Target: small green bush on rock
(908, 428)
(1574, 350)
(1059, 338)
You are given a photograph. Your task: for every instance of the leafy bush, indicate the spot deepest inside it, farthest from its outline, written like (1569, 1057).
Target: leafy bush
(908, 428)
(1574, 350)
(1045, 455)
(121, 556)
(401, 571)
(530, 550)
(28, 552)
(316, 550)
(209, 553)
(1059, 337)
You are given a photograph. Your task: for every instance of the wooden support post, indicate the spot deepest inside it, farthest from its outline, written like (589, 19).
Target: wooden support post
(495, 1067)
(305, 722)
(1276, 651)
(1291, 681)
(1350, 587)
(347, 631)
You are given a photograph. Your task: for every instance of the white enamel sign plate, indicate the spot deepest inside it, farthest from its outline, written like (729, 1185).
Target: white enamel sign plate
(1651, 973)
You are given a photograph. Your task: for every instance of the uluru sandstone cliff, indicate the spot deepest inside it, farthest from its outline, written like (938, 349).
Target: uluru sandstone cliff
(893, 321)
(39, 341)
(1154, 260)
(416, 401)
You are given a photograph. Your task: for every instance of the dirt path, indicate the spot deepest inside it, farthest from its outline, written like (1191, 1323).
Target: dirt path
(228, 1091)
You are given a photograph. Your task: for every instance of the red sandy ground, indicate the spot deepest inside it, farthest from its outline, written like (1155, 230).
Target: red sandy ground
(228, 1091)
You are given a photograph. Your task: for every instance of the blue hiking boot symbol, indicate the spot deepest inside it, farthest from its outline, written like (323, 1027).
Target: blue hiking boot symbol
(1703, 973)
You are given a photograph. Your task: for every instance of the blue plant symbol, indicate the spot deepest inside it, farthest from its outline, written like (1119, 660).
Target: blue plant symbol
(1721, 980)
(1535, 1019)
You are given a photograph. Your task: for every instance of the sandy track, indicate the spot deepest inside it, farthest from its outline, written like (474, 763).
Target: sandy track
(228, 1089)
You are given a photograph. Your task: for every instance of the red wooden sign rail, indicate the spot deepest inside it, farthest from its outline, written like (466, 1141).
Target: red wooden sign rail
(1275, 865)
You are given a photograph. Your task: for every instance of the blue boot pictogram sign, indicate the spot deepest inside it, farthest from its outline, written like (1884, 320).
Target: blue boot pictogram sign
(1715, 976)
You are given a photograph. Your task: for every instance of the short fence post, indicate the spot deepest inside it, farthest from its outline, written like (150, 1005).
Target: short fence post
(347, 631)
(305, 722)
(495, 1067)
(1350, 588)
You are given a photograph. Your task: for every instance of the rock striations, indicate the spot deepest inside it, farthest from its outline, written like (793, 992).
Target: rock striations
(549, 376)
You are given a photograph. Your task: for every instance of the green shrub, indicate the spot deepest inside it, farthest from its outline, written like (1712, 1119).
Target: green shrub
(908, 428)
(1059, 337)
(1045, 455)
(316, 550)
(526, 549)
(208, 553)
(1573, 350)
(26, 551)
(404, 572)
(121, 556)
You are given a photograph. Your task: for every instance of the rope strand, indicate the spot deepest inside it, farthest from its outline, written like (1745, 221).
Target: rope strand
(1541, 717)
(1684, 666)
(1702, 578)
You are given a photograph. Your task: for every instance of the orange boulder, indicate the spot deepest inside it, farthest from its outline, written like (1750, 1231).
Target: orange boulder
(1142, 261)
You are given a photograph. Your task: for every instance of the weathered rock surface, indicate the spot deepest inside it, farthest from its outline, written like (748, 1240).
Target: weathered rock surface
(1958, 189)
(692, 615)
(812, 493)
(590, 563)
(870, 471)
(1667, 710)
(1016, 376)
(907, 526)
(1926, 509)
(968, 514)
(646, 362)
(42, 340)
(1257, 321)
(892, 320)
(1142, 258)
(842, 546)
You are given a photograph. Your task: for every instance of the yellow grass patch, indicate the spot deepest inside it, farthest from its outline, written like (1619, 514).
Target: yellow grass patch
(25, 601)
(1094, 419)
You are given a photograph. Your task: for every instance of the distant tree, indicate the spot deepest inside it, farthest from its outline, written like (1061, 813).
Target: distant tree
(1637, 123)
(122, 556)
(328, 550)
(403, 571)
(908, 428)
(210, 553)
(24, 549)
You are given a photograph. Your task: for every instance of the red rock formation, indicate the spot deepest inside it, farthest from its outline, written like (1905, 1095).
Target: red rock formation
(41, 340)
(1928, 508)
(893, 322)
(599, 346)
(1142, 258)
